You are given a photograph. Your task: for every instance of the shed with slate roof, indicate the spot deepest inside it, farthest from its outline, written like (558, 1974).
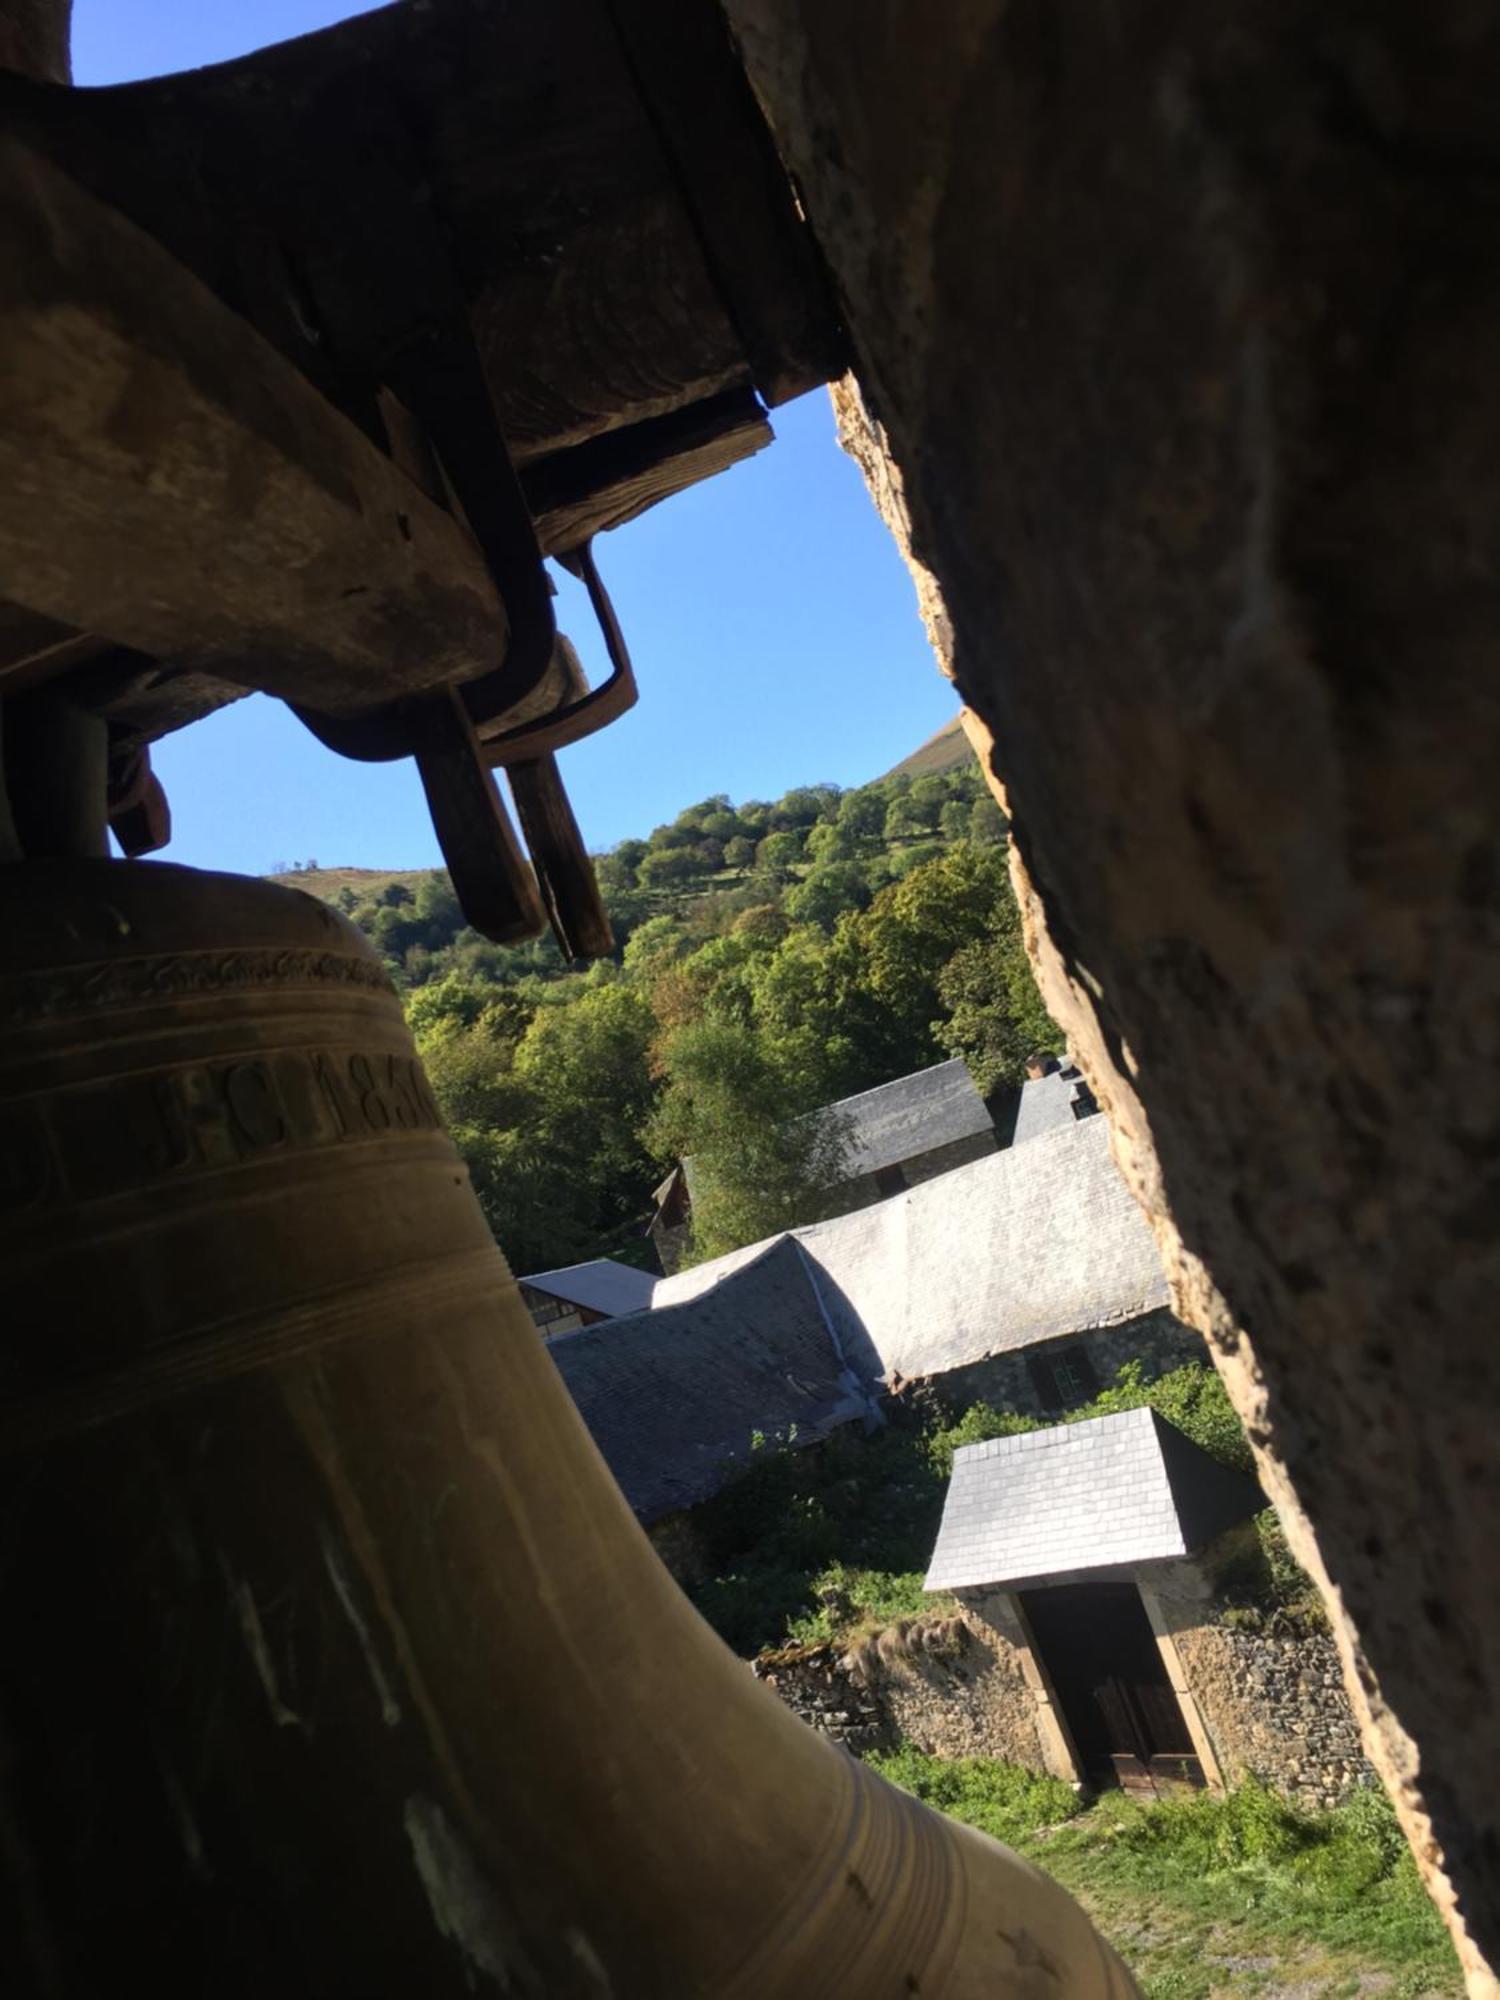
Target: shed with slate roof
(1081, 1499)
(582, 1294)
(1057, 1540)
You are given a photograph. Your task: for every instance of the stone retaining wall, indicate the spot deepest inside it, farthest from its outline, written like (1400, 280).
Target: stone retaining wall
(1271, 1703)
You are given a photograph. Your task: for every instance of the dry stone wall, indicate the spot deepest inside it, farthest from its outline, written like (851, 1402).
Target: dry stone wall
(1273, 1703)
(1158, 1340)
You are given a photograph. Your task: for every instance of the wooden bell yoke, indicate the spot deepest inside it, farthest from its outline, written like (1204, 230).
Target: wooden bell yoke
(313, 357)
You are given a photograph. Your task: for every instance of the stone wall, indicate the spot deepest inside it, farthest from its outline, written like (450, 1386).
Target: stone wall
(1156, 1339)
(1272, 1704)
(956, 1687)
(953, 1686)
(818, 1686)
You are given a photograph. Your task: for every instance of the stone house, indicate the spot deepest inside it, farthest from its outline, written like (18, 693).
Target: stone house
(1091, 1562)
(894, 1137)
(681, 1399)
(581, 1295)
(1024, 1278)
(1055, 1093)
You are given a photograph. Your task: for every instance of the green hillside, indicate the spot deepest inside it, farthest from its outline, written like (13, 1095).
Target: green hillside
(942, 752)
(772, 957)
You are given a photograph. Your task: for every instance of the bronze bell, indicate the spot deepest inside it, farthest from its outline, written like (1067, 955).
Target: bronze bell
(334, 1663)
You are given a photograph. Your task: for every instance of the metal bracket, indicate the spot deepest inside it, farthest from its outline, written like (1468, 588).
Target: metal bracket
(601, 705)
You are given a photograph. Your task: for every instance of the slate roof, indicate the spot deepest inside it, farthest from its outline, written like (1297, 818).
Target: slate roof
(914, 1115)
(673, 1397)
(1059, 1098)
(1018, 1247)
(601, 1285)
(1114, 1491)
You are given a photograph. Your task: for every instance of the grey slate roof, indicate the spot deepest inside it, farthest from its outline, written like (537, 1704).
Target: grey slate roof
(1020, 1246)
(1113, 1491)
(914, 1115)
(673, 1397)
(601, 1285)
(1052, 1100)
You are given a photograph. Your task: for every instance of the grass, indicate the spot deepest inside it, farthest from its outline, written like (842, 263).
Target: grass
(1207, 1894)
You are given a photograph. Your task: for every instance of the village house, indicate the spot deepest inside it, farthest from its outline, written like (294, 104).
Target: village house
(681, 1399)
(1024, 1279)
(583, 1294)
(893, 1137)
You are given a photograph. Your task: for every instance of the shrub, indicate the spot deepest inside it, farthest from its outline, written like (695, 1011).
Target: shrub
(1000, 1799)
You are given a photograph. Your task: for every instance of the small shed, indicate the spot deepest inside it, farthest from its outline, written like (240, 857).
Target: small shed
(1056, 1536)
(581, 1295)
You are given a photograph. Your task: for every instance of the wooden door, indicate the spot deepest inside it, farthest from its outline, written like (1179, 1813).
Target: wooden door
(1101, 1655)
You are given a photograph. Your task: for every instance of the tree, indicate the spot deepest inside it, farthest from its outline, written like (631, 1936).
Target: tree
(995, 1016)
(927, 798)
(549, 1126)
(757, 1167)
(739, 852)
(668, 868)
(830, 841)
(912, 929)
(862, 814)
(825, 893)
(709, 854)
(725, 825)
(987, 824)
(613, 875)
(902, 820)
(953, 820)
(778, 854)
(804, 804)
(653, 944)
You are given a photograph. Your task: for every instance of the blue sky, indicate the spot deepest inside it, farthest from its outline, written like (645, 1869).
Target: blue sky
(773, 626)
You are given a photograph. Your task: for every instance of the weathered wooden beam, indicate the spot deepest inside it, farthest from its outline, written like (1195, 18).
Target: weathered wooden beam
(170, 480)
(322, 185)
(576, 494)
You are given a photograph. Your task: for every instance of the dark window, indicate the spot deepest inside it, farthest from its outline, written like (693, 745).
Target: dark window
(889, 1180)
(1062, 1378)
